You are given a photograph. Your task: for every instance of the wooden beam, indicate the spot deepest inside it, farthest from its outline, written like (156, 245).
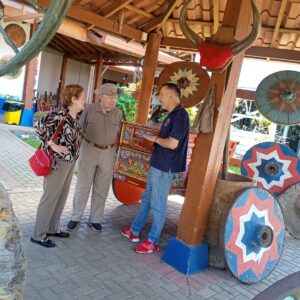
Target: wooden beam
(158, 21)
(216, 15)
(121, 70)
(114, 7)
(275, 54)
(208, 150)
(139, 11)
(30, 73)
(150, 63)
(57, 46)
(245, 94)
(106, 24)
(211, 24)
(62, 77)
(178, 43)
(98, 75)
(166, 15)
(64, 43)
(83, 55)
(278, 22)
(23, 17)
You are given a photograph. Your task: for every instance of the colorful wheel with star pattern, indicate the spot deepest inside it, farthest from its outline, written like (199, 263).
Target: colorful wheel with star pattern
(278, 97)
(289, 202)
(192, 80)
(252, 235)
(273, 166)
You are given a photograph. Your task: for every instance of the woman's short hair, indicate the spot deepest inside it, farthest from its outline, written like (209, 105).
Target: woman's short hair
(71, 90)
(173, 87)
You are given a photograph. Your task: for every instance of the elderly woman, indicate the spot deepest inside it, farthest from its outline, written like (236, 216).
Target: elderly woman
(65, 150)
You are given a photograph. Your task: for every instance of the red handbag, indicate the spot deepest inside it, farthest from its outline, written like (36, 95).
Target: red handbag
(41, 161)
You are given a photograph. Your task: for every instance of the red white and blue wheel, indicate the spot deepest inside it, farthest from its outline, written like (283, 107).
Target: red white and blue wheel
(273, 166)
(252, 235)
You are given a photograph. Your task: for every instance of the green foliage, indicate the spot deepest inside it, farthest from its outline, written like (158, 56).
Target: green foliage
(192, 111)
(235, 170)
(33, 143)
(127, 104)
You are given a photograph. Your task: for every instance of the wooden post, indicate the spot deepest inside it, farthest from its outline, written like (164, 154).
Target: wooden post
(62, 77)
(150, 63)
(98, 73)
(30, 74)
(208, 150)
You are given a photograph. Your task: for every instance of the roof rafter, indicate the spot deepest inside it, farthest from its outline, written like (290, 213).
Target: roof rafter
(278, 22)
(106, 24)
(114, 7)
(139, 11)
(216, 15)
(156, 23)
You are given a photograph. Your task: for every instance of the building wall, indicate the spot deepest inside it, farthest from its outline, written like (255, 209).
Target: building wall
(77, 73)
(50, 68)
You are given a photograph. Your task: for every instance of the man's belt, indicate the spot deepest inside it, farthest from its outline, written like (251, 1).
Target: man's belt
(99, 146)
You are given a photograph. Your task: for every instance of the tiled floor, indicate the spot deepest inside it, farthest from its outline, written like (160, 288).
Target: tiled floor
(92, 265)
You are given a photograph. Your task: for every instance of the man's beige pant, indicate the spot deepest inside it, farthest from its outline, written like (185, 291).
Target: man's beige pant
(95, 167)
(56, 189)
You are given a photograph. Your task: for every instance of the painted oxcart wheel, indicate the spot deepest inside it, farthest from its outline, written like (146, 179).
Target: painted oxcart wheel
(193, 81)
(54, 15)
(278, 97)
(273, 166)
(252, 235)
(289, 202)
(125, 192)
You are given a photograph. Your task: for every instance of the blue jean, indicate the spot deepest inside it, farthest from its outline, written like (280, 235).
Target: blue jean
(154, 200)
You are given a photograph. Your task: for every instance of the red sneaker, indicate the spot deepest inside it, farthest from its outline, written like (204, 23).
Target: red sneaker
(128, 233)
(146, 247)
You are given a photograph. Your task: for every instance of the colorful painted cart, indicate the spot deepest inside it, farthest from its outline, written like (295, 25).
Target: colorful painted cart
(133, 160)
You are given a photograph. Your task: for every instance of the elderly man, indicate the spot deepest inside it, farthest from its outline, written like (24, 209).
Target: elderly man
(100, 123)
(168, 158)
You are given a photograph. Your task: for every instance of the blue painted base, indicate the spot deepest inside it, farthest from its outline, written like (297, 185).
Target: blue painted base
(27, 118)
(186, 259)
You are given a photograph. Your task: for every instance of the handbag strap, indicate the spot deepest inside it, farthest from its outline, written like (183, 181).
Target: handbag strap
(59, 129)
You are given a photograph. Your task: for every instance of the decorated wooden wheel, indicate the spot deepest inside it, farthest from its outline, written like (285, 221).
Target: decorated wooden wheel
(278, 97)
(193, 81)
(252, 235)
(125, 192)
(273, 166)
(289, 202)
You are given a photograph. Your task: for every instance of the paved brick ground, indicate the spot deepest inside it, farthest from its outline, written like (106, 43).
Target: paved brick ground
(92, 265)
